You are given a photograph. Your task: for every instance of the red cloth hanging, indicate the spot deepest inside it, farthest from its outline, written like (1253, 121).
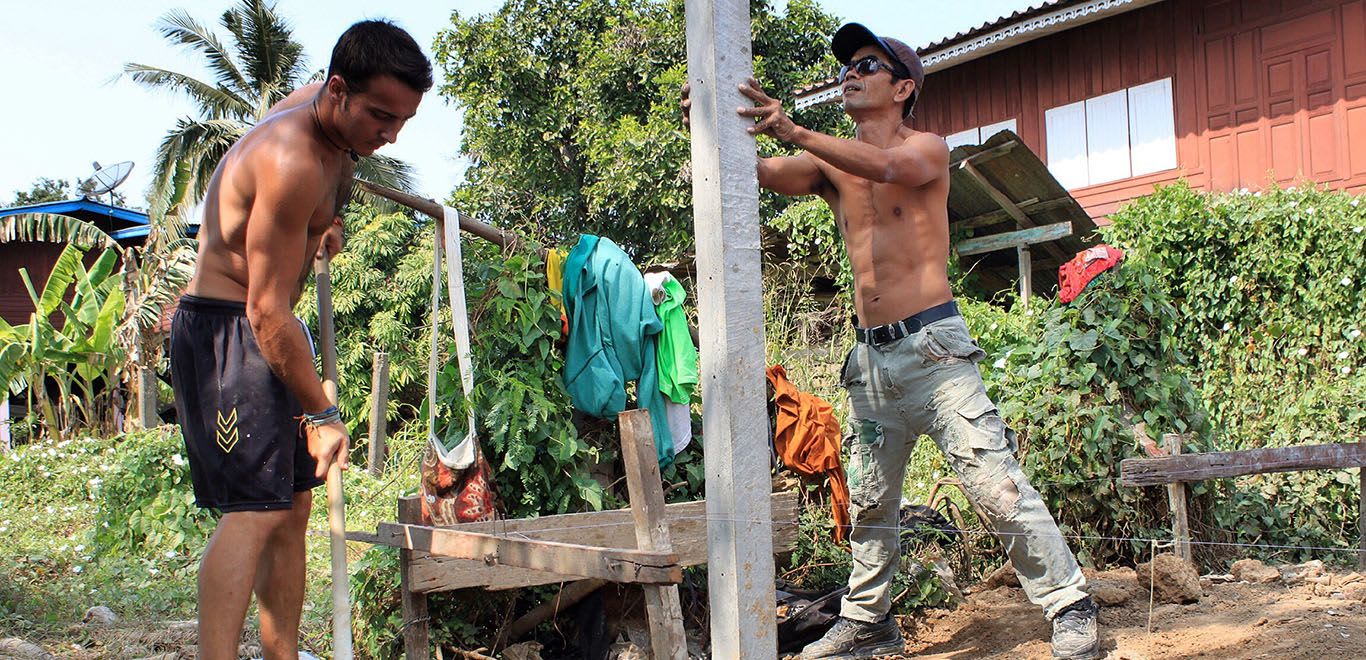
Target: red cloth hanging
(1074, 275)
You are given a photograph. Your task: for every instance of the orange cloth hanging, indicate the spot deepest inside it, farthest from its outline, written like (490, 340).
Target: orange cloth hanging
(807, 438)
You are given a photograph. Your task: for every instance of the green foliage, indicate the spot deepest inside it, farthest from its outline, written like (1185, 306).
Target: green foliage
(521, 406)
(1268, 285)
(145, 501)
(44, 190)
(572, 116)
(75, 349)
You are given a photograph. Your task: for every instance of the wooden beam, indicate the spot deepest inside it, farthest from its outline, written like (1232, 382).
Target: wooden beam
(730, 316)
(1013, 239)
(986, 154)
(616, 565)
(148, 387)
(641, 463)
(1224, 464)
(1026, 274)
(416, 645)
(431, 208)
(1032, 205)
(1176, 499)
(607, 529)
(379, 412)
(1008, 205)
(1361, 510)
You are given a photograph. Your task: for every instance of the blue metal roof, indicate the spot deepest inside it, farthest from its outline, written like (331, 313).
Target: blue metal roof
(80, 208)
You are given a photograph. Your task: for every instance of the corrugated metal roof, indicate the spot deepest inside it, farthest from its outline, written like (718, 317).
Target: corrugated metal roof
(1014, 172)
(1020, 15)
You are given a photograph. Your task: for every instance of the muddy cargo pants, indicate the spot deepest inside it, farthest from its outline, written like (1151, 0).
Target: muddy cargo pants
(927, 384)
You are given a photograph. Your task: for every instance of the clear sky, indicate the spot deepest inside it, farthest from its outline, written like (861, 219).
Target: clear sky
(66, 103)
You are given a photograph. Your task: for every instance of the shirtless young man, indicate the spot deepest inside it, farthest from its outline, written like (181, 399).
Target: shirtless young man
(913, 370)
(241, 367)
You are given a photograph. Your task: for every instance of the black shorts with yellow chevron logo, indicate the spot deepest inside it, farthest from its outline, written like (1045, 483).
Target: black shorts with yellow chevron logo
(239, 420)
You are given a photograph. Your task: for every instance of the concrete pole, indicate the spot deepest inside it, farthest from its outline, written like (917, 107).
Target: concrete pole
(731, 328)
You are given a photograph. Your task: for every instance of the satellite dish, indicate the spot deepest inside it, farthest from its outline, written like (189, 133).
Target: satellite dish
(106, 179)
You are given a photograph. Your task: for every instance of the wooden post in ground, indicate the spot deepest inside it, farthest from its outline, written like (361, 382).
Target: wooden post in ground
(147, 398)
(379, 408)
(415, 643)
(1176, 497)
(730, 313)
(1361, 512)
(1026, 274)
(667, 637)
(6, 442)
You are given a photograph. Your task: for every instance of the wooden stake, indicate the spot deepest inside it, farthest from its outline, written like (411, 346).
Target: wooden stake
(336, 509)
(415, 642)
(730, 309)
(1026, 274)
(1176, 497)
(667, 636)
(379, 409)
(1361, 510)
(147, 398)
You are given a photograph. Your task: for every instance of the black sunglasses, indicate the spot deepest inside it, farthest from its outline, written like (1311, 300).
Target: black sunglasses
(869, 66)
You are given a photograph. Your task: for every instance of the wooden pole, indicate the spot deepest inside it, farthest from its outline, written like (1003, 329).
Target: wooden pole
(667, 637)
(1176, 498)
(6, 442)
(379, 410)
(1026, 274)
(415, 643)
(730, 309)
(1361, 510)
(147, 398)
(336, 510)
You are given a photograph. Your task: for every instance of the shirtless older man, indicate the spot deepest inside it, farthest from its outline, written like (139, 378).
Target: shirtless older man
(913, 370)
(241, 365)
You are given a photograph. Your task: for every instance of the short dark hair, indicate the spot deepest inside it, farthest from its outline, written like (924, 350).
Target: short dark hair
(375, 48)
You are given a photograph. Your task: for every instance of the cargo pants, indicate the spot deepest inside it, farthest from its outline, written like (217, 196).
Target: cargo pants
(928, 384)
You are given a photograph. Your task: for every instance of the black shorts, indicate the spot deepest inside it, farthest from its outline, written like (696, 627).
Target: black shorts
(240, 422)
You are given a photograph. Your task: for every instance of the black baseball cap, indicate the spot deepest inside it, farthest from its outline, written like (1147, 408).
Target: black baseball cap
(853, 36)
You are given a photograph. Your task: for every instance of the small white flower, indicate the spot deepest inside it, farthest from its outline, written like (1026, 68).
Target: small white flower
(1257, 194)
(153, 571)
(1233, 279)
(1355, 201)
(1354, 333)
(1303, 352)
(178, 460)
(1358, 230)
(1346, 281)
(999, 364)
(1226, 326)
(63, 548)
(76, 569)
(1346, 370)
(1342, 355)
(170, 554)
(1309, 210)
(1294, 203)
(80, 548)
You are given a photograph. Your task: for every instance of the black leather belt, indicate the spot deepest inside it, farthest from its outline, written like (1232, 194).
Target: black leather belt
(906, 327)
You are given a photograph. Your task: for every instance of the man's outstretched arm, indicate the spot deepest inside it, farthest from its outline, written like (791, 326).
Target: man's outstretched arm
(785, 175)
(914, 163)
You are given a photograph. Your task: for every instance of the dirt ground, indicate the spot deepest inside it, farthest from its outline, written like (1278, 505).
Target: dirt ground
(1231, 620)
(1319, 619)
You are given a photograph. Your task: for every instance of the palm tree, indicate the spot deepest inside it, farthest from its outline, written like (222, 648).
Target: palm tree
(263, 65)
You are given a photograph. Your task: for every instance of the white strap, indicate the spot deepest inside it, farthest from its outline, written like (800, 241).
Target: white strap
(464, 453)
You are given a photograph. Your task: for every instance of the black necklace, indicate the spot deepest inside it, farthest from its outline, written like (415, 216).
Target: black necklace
(319, 124)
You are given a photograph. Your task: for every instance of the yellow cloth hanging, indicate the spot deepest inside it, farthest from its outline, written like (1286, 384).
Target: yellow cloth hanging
(554, 275)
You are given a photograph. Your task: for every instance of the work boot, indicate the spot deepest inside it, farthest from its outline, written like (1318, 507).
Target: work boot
(1074, 631)
(850, 639)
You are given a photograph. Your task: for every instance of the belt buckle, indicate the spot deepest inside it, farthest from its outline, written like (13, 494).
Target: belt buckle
(881, 334)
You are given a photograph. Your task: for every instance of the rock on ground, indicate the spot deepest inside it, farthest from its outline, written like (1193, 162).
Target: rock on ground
(13, 647)
(100, 615)
(523, 651)
(1254, 572)
(1173, 579)
(1004, 576)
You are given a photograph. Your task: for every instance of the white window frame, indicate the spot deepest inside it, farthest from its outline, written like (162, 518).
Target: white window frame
(1112, 137)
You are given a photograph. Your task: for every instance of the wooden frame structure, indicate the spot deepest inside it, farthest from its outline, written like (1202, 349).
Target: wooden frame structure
(1175, 469)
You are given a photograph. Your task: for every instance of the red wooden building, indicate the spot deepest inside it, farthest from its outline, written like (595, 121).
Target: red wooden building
(1116, 96)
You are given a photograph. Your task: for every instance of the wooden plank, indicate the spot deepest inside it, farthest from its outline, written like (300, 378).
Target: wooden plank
(608, 529)
(1361, 511)
(1026, 274)
(1176, 498)
(730, 317)
(6, 442)
(379, 411)
(616, 565)
(986, 154)
(1007, 204)
(1013, 239)
(1224, 464)
(1032, 205)
(415, 631)
(638, 456)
